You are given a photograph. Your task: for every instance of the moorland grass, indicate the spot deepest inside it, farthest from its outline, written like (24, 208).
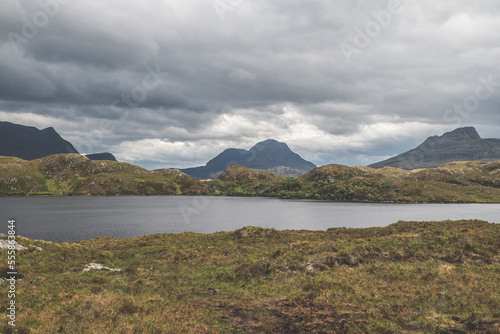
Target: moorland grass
(409, 277)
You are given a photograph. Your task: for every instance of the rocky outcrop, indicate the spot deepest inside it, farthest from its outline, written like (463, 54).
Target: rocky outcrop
(5, 244)
(286, 171)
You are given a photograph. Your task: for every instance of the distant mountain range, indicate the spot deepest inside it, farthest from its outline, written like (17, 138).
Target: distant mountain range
(462, 144)
(30, 143)
(266, 155)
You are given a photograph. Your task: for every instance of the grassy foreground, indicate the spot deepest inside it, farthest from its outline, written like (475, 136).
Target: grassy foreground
(409, 277)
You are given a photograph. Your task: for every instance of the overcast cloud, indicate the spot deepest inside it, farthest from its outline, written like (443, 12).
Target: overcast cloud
(171, 83)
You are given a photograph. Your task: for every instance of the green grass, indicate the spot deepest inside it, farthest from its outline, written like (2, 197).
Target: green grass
(411, 277)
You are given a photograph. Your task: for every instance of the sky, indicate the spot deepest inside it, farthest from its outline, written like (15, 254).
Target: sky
(172, 83)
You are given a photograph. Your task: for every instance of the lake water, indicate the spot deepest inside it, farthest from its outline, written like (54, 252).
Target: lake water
(79, 218)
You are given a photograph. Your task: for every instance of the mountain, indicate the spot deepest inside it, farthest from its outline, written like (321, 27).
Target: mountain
(29, 143)
(265, 155)
(462, 144)
(101, 156)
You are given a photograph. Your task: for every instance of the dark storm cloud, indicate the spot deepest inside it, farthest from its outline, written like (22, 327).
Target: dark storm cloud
(176, 82)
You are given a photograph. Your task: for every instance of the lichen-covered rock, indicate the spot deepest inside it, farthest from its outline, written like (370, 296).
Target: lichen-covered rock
(98, 266)
(5, 244)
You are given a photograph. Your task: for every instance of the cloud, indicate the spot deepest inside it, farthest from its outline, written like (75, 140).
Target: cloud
(242, 75)
(170, 83)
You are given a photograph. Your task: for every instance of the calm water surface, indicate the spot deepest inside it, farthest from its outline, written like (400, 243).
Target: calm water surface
(79, 218)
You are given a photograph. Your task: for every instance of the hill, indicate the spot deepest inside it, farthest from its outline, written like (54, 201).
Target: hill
(29, 143)
(457, 182)
(74, 174)
(265, 155)
(462, 144)
(240, 174)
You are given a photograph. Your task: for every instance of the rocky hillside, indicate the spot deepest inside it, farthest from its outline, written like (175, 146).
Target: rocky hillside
(286, 171)
(453, 182)
(457, 182)
(74, 174)
(240, 174)
(463, 144)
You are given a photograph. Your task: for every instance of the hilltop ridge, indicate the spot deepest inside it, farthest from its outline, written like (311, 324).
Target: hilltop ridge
(462, 144)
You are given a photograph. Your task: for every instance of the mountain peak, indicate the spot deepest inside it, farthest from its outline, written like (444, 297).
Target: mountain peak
(461, 134)
(270, 144)
(49, 129)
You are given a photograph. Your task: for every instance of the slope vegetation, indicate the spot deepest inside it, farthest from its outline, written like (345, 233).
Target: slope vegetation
(457, 182)
(74, 174)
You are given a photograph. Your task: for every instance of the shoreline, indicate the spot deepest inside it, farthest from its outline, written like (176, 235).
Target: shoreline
(229, 196)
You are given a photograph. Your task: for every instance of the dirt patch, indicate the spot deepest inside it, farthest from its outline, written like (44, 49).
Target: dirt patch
(294, 316)
(445, 268)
